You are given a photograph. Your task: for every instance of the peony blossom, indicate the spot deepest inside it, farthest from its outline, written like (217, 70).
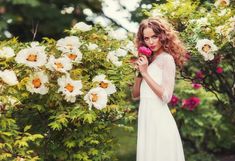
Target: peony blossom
(222, 3)
(81, 26)
(62, 64)
(119, 34)
(107, 85)
(196, 85)
(199, 75)
(6, 52)
(206, 48)
(68, 43)
(219, 70)
(33, 56)
(96, 97)
(69, 88)
(145, 51)
(191, 103)
(37, 83)
(174, 100)
(9, 77)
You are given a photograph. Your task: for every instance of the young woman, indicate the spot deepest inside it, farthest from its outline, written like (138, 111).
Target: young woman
(158, 136)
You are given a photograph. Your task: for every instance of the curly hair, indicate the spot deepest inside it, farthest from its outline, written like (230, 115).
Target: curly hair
(167, 35)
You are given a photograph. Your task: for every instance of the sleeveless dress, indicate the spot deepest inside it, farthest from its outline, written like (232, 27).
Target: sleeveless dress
(158, 138)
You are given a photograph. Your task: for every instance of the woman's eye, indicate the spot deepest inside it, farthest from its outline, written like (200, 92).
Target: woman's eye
(146, 39)
(154, 37)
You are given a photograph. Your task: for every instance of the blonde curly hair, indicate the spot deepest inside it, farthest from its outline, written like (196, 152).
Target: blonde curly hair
(167, 35)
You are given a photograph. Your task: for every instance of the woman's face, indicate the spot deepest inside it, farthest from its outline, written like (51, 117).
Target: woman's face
(151, 39)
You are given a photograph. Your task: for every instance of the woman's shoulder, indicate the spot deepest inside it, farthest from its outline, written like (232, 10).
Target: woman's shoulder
(166, 56)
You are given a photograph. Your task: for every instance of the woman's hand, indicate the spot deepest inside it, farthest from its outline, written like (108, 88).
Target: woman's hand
(142, 64)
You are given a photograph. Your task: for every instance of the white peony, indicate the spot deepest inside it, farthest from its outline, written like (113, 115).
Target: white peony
(222, 3)
(69, 88)
(37, 83)
(62, 64)
(9, 77)
(91, 46)
(113, 58)
(7, 52)
(68, 43)
(82, 27)
(120, 52)
(74, 55)
(119, 34)
(107, 85)
(33, 56)
(96, 97)
(206, 48)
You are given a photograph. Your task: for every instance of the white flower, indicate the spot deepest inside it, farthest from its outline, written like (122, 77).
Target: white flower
(82, 27)
(6, 52)
(37, 83)
(62, 64)
(69, 88)
(9, 77)
(33, 56)
(156, 13)
(68, 43)
(92, 46)
(67, 10)
(206, 48)
(107, 85)
(132, 48)
(120, 52)
(119, 34)
(74, 55)
(222, 3)
(96, 97)
(113, 58)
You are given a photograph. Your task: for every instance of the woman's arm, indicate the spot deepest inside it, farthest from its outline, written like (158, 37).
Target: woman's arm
(165, 90)
(136, 88)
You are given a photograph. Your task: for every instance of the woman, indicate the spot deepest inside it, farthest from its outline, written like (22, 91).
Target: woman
(158, 136)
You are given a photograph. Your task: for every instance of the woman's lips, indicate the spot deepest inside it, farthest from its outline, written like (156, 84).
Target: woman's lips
(152, 47)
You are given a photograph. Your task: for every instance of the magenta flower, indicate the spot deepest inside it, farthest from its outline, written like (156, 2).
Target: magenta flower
(191, 103)
(199, 75)
(145, 51)
(196, 85)
(174, 100)
(219, 70)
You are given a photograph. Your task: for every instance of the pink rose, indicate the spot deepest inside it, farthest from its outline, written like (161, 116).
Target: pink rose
(191, 103)
(219, 70)
(144, 50)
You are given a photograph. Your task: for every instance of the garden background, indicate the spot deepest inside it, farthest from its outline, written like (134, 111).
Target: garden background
(66, 78)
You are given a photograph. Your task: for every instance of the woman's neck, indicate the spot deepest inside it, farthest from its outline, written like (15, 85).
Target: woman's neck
(156, 53)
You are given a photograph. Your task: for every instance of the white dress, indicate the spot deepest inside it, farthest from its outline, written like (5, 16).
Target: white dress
(158, 137)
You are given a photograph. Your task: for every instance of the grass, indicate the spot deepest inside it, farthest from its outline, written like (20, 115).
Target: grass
(127, 144)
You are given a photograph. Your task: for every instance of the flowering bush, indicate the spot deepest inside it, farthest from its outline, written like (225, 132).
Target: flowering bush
(60, 99)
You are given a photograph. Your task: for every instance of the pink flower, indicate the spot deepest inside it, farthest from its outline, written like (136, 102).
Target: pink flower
(144, 50)
(174, 100)
(219, 70)
(199, 74)
(191, 103)
(196, 85)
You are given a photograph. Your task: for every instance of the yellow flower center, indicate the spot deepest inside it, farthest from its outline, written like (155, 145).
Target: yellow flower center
(94, 97)
(37, 83)
(104, 85)
(72, 56)
(59, 65)
(32, 57)
(223, 2)
(206, 48)
(69, 87)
